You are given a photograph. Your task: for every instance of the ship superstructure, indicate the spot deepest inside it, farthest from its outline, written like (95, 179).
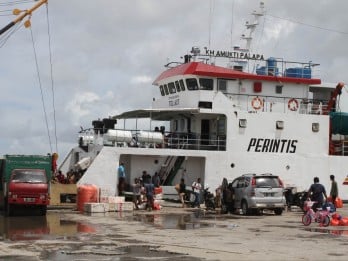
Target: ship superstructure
(214, 122)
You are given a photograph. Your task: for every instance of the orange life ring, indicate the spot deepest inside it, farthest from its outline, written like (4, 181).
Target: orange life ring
(293, 104)
(257, 103)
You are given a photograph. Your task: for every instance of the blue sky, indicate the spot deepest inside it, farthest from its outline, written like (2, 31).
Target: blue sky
(106, 53)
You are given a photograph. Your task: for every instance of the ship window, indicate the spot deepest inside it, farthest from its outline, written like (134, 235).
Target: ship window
(221, 126)
(206, 84)
(222, 85)
(162, 90)
(205, 104)
(175, 125)
(177, 86)
(182, 85)
(171, 87)
(279, 89)
(166, 89)
(192, 84)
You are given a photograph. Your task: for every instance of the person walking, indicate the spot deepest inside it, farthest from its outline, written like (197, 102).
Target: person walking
(317, 193)
(197, 187)
(333, 190)
(182, 191)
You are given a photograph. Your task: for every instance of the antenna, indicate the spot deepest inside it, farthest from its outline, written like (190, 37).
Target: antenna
(252, 26)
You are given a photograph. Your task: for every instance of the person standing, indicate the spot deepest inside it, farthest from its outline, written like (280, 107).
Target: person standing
(136, 193)
(333, 190)
(197, 187)
(317, 193)
(156, 180)
(121, 179)
(182, 191)
(149, 190)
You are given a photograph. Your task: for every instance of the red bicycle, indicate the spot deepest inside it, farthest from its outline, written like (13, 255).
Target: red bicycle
(321, 216)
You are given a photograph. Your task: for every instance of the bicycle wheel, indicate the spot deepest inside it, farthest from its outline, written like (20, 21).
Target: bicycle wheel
(306, 220)
(326, 221)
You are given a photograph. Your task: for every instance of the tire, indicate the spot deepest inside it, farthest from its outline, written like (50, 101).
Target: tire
(8, 210)
(306, 220)
(245, 210)
(278, 211)
(43, 210)
(223, 209)
(210, 205)
(326, 221)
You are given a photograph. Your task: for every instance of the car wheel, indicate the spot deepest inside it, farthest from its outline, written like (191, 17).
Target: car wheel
(245, 209)
(278, 211)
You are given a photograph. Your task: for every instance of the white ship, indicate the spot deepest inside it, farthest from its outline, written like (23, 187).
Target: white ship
(214, 122)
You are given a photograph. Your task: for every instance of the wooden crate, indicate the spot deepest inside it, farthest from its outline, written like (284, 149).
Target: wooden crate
(63, 194)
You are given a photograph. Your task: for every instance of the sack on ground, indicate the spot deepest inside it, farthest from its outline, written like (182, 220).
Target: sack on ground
(338, 203)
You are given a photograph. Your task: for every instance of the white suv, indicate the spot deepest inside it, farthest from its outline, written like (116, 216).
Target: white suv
(256, 192)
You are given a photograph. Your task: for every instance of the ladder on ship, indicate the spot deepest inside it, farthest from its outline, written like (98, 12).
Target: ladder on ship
(170, 168)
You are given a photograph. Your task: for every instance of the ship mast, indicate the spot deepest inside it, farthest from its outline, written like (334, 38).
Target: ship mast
(22, 16)
(241, 64)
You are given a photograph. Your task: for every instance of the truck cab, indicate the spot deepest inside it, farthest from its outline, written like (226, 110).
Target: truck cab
(25, 182)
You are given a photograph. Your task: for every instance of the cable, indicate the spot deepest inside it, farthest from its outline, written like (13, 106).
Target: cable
(16, 2)
(232, 24)
(309, 25)
(40, 85)
(9, 33)
(52, 82)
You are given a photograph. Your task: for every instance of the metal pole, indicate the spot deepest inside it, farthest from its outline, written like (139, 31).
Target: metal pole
(24, 14)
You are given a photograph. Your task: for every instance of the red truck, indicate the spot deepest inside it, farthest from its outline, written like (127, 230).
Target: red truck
(25, 182)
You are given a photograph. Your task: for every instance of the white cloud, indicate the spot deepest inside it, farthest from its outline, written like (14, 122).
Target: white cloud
(81, 105)
(141, 79)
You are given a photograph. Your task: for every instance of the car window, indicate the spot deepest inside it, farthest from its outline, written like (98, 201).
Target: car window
(235, 183)
(240, 183)
(267, 182)
(247, 181)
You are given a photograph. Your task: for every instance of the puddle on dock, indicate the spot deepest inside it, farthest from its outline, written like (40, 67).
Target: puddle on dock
(47, 227)
(53, 226)
(139, 252)
(331, 231)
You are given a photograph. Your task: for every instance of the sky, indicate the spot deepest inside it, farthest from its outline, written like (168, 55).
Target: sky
(84, 59)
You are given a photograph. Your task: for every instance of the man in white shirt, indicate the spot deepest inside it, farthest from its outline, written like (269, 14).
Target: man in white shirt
(197, 187)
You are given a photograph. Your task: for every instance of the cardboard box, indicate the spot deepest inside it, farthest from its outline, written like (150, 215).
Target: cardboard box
(96, 207)
(116, 199)
(104, 193)
(124, 206)
(104, 199)
(158, 196)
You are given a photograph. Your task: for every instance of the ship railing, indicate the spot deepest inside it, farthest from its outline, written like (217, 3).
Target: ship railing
(345, 148)
(194, 141)
(268, 103)
(171, 140)
(339, 147)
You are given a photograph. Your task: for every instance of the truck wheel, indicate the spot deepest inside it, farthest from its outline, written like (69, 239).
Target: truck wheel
(43, 210)
(278, 211)
(9, 210)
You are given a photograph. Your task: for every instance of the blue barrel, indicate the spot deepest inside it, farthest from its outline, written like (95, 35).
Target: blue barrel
(271, 63)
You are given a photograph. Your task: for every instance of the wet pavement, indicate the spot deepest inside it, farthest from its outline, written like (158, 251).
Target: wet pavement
(172, 233)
